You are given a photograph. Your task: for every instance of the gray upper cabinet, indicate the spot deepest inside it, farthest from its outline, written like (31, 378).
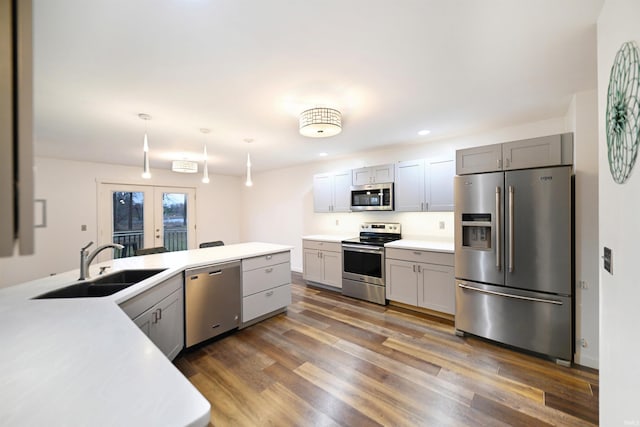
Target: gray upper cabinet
(373, 175)
(439, 175)
(424, 185)
(487, 158)
(553, 150)
(332, 192)
(538, 152)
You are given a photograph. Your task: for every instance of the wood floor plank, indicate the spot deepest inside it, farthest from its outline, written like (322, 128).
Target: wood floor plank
(489, 377)
(332, 360)
(504, 413)
(319, 399)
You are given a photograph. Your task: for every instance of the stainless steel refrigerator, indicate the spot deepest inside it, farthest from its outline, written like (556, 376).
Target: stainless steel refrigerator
(514, 258)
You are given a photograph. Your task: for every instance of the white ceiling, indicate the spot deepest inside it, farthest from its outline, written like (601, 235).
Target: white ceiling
(246, 68)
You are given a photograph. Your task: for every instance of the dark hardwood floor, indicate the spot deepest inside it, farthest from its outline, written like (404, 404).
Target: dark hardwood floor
(332, 360)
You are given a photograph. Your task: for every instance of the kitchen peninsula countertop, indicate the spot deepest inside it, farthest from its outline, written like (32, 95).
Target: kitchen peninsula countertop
(84, 362)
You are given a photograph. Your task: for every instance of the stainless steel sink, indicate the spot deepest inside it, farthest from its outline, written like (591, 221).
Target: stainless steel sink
(103, 285)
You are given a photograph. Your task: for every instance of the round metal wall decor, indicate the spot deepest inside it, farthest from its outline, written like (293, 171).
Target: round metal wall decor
(623, 112)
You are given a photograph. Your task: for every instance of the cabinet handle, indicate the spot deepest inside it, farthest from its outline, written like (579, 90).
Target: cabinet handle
(159, 314)
(419, 269)
(268, 294)
(269, 270)
(155, 317)
(417, 253)
(426, 206)
(269, 257)
(414, 268)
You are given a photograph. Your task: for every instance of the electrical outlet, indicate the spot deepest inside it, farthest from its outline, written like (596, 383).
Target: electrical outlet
(583, 284)
(583, 343)
(441, 225)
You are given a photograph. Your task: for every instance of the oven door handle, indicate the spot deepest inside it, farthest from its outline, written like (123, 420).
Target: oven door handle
(366, 249)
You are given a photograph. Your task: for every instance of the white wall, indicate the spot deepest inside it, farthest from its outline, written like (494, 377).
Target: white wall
(70, 190)
(619, 210)
(582, 118)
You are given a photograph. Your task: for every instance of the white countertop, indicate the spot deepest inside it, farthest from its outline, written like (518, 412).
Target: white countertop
(446, 246)
(84, 362)
(333, 238)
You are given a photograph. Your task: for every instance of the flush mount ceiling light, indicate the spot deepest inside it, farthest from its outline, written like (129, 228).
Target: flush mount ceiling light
(184, 166)
(320, 122)
(146, 174)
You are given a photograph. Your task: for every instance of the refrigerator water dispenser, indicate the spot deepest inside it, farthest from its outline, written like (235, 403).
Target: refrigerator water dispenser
(476, 231)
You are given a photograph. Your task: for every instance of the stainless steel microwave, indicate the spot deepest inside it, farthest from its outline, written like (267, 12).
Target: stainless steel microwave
(372, 197)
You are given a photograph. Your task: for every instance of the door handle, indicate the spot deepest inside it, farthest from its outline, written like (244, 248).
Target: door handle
(502, 294)
(511, 228)
(498, 230)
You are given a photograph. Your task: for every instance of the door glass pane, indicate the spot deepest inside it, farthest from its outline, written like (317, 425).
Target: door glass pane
(128, 222)
(174, 221)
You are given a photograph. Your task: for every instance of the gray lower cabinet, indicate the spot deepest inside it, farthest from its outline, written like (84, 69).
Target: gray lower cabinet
(322, 262)
(266, 286)
(421, 278)
(159, 313)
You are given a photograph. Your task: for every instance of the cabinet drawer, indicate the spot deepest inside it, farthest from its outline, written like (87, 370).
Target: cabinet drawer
(265, 260)
(423, 256)
(264, 278)
(322, 246)
(140, 303)
(265, 302)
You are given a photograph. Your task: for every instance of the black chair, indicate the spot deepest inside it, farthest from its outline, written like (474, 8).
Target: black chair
(149, 251)
(211, 244)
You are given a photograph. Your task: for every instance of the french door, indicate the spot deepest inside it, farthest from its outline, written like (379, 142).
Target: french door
(142, 216)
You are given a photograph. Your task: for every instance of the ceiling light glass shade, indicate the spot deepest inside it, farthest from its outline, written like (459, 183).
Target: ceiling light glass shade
(145, 169)
(248, 182)
(320, 122)
(205, 172)
(184, 166)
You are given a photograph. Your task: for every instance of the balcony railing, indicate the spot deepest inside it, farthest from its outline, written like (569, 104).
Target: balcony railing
(175, 239)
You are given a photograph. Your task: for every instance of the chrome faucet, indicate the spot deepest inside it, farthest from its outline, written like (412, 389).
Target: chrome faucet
(86, 258)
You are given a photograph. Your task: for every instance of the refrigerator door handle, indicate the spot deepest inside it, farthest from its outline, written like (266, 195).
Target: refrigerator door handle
(498, 230)
(502, 294)
(511, 227)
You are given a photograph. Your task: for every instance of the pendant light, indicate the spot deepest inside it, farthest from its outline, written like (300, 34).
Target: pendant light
(205, 171)
(248, 182)
(146, 174)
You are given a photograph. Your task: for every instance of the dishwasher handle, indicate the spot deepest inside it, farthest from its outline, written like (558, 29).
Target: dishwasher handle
(210, 270)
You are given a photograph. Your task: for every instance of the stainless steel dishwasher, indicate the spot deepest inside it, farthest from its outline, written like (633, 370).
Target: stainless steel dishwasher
(212, 301)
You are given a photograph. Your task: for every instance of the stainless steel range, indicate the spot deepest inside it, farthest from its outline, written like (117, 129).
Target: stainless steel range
(363, 261)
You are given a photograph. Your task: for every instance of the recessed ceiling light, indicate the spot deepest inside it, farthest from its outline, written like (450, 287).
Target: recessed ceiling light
(323, 154)
(424, 132)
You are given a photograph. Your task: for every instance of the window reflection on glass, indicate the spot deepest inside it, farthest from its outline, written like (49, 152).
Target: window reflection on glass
(174, 221)
(128, 221)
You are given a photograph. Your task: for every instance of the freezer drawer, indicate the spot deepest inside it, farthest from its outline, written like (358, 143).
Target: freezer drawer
(529, 320)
